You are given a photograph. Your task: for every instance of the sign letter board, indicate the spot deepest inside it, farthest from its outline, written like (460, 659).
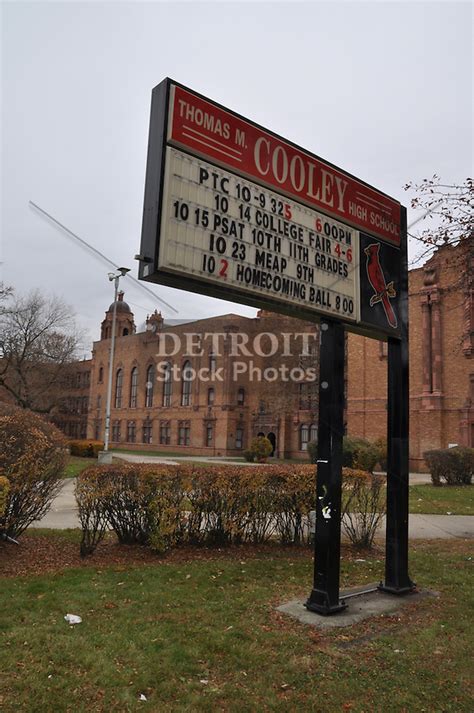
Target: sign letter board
(236, 212)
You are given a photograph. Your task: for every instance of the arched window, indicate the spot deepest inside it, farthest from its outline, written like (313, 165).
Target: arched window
(211, 395)
(125, 332)
(209, 434)
(118, 388)
(101, 374)
(186, 384)
(239, 437)
(304, 435)
(313, 432)
(167, 386)
(149, 385)
(212, 362)
(240, 397)
(133, 387)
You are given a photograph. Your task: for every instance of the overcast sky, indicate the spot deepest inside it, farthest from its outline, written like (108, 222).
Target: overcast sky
(383, 90)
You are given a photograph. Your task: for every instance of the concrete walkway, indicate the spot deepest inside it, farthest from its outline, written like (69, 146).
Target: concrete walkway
(63, 514)
(174, 460)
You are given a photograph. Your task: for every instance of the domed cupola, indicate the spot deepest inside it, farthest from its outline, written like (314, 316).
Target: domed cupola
(124, 319)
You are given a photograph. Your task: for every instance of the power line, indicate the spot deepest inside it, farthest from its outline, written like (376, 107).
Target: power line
(99, 254)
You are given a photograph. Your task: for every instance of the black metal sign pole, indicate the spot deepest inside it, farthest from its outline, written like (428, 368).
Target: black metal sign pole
(397, 580)
(324, 597)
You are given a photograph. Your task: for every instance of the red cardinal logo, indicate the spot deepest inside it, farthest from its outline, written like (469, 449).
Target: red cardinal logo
(383, 292)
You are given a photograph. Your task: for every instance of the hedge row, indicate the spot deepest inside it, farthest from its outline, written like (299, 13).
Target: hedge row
(86, 449)
(357, 453)
(4, 489)
(216, 505)
(362, 454)
(453, 465)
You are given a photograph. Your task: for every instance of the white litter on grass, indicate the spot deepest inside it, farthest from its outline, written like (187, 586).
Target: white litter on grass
(359, 560)
(142, 697)
(73, 619)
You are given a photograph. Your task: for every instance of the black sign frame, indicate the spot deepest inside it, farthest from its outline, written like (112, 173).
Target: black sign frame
(384, 286)
(374, 326)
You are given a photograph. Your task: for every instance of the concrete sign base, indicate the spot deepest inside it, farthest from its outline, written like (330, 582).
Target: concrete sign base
(363, 602)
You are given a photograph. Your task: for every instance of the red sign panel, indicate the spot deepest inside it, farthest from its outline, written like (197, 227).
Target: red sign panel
(215, 133)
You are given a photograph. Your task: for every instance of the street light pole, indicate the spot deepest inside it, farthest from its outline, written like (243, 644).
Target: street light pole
(104, 457)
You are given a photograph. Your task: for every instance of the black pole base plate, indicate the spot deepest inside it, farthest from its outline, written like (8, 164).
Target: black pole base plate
(407, 589)
(322, 606)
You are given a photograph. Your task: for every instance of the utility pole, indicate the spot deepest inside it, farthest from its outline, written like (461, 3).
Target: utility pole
(105, 456)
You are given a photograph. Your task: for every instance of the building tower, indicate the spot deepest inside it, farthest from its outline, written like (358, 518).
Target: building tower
(125, 324)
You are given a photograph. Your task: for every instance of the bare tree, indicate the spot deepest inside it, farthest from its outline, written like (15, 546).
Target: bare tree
(449, 212)
(5, 293)
(38, 342)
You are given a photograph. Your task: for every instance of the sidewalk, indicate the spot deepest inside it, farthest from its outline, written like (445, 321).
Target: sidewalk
(174, 460)
(63, 514)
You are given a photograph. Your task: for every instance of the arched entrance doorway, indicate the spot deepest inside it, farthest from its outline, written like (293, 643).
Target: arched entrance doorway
(272, 438)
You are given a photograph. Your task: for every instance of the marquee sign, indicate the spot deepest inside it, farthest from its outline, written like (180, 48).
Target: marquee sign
(236, 212)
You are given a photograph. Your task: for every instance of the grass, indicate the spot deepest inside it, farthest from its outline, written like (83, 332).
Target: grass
(453, 499)
(75, 465)
(204, 636)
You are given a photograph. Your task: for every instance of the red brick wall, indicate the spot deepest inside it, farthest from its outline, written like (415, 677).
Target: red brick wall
(441, 371)
(268, 407)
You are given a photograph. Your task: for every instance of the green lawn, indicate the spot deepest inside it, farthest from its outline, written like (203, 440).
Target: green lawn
(453, 499)
(204, 636)
(75, 465)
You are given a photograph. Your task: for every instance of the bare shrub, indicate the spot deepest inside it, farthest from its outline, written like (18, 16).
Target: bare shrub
(453, 465)
(218, 505)
(92, 514)
(363, 505)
